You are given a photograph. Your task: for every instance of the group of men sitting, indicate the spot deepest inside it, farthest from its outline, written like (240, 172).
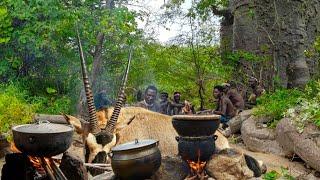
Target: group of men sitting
(165, 106)
(229, 102)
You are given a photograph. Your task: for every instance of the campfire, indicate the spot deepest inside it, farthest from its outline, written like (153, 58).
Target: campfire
(197, 169)
(31, 167)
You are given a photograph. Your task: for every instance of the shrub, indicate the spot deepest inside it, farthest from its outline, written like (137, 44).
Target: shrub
(274, 105)
(14, 108)
(52, 105)
(308, 109)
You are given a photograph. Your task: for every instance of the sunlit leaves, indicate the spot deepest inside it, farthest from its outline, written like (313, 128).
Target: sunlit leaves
(5, 25)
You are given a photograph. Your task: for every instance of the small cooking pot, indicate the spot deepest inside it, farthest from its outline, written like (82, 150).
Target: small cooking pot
(138, 159)
(196, 125)
(42, 139)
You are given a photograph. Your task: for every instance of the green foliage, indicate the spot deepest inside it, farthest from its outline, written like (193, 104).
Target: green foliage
(273, 175)
(308, 110)
(175, 68)
(14, 109)
(52, 105)
(274, 105)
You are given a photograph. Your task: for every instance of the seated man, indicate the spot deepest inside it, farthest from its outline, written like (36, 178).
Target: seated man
(234, 96)
(176, 106)
(225, 107)
(257, 91)
(164, 103)
(149, 101)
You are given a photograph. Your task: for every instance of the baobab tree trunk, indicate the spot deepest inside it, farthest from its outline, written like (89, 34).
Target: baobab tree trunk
(292, 41)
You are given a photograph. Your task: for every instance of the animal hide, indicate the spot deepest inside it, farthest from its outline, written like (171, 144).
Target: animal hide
(139, 123)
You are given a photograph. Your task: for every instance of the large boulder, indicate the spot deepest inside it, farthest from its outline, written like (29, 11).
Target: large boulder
(228, 164)
(306, 145)
(236, 122)
(259, 138)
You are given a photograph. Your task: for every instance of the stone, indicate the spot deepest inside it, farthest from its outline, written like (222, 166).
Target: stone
(306, 145)
(172, 168)
(228, 164)
(4, 146)
(236, 122)
(260, 139)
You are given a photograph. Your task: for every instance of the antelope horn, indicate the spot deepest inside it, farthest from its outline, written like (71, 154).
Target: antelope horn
(92, 110)
(121, 98)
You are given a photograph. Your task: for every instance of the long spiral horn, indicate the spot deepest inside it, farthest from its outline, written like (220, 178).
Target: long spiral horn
(121, 98)
(92, 110)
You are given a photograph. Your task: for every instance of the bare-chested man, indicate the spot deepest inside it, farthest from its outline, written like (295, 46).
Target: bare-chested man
(176, 106)
(234, 96)
(257, 91)
(225, 107)
(164, 103)
(149, 102)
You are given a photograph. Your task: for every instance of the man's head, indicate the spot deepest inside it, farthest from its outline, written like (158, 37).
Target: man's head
(164, 96)
(226, 87)
(150, 94)
(217, 91)
(176, 96)
(253, 82)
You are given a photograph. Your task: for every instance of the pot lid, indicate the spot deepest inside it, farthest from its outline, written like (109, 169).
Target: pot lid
(135, 145)
(42, 127)
(197, 117)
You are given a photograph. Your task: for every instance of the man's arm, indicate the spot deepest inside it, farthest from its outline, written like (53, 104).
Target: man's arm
(223, 108)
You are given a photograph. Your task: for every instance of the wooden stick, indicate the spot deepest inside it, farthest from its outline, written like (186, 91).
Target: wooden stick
(97, 164)
(98, 167)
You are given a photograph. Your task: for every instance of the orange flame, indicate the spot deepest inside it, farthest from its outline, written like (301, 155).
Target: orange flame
(198, 166)
(13, 148)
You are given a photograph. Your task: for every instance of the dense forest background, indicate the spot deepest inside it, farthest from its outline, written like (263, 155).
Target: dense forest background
(274, 41)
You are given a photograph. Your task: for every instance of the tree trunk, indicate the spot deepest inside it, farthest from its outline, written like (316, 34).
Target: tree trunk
(97, 65)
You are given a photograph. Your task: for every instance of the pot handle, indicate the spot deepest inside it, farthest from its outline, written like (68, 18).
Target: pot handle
(43, 122)
(110, 154)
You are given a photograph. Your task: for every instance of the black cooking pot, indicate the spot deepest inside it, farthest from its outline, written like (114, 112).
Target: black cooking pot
(138, 159)
(42, 139)
(194, 148)
(196, 125)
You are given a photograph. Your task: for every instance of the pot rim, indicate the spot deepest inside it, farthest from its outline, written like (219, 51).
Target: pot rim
(135, 145)
(44, 130)
(212, 117)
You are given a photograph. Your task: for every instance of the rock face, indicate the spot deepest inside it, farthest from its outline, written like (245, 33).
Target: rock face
(305, 145)
(228, 164)
(259, 138)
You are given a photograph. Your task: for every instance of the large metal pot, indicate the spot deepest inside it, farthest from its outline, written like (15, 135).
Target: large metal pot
(194, 148)
(196, 125)
(42, 139)
(138, 159)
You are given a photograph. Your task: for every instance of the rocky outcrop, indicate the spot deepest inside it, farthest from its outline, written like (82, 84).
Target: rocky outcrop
(259, 138)
(306, 145)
